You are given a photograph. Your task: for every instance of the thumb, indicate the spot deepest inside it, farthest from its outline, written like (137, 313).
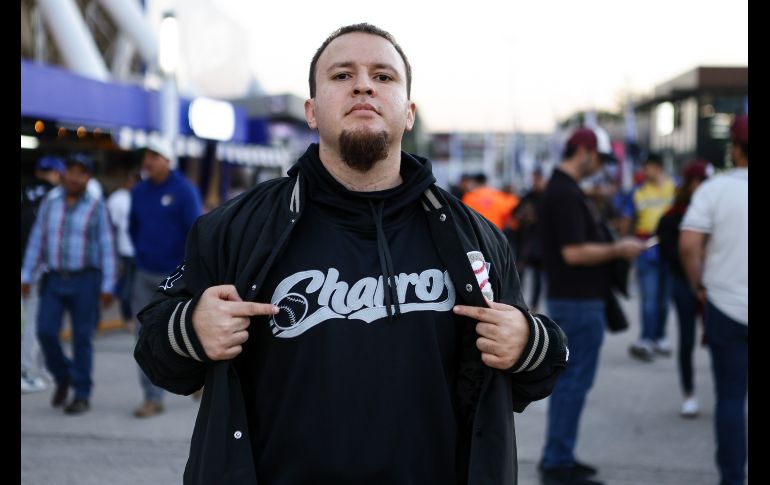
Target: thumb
(225, 292)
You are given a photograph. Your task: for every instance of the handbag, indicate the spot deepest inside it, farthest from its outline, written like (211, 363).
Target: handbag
(619, 270)
(613, 313)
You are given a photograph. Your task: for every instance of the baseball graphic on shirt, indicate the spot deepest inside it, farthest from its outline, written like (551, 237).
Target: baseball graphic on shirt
(292, 310)
(481, 270)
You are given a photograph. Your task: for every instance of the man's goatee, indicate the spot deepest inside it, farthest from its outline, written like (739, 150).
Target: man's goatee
(360, 150)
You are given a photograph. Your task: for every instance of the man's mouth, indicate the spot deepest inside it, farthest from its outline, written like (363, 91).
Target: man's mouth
(362, 107)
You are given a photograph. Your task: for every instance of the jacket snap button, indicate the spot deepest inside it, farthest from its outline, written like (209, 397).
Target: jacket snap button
(442, 217)
(237, 435)
(468, 287)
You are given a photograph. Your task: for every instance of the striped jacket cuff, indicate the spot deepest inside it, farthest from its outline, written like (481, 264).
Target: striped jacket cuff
(537, 346)
(181, 335)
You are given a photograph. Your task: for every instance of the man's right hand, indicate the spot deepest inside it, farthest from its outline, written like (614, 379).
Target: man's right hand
(629, 247)
(25, 290)
(221, 321)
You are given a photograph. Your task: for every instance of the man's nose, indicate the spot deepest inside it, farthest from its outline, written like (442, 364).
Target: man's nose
(363, 85)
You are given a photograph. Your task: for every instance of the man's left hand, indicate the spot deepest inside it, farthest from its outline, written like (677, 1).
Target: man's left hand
(106, 299)
(503, 333)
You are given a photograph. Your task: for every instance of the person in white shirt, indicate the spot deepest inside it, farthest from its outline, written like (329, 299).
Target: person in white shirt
(714, 248)
(119, 206)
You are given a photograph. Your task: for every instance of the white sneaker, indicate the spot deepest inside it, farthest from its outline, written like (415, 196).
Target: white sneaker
(690, 407)
(32, 384)
(662, 347)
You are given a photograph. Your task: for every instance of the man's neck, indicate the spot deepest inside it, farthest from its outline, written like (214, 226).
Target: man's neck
(384, 174)
(72, 198)
(571, 169)
(160, 180)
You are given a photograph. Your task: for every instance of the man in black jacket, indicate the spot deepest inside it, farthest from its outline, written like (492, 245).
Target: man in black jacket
(395, 346)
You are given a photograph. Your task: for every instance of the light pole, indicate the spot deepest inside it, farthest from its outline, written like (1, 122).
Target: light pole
(169, 97)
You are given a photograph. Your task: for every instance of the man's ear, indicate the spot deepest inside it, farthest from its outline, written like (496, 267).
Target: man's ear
(310, 113)
(410, 116)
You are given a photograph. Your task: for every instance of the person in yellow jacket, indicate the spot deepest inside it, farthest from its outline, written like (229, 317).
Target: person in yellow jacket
(650, 201)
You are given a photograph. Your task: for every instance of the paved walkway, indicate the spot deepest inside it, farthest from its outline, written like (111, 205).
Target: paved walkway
(631, 427)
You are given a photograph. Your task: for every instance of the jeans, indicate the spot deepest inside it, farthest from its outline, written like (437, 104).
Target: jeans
(685, 303)
(583, 323)
(654, 290)
(729, 344)
(79, 294)
(145, 286)
(125, 286)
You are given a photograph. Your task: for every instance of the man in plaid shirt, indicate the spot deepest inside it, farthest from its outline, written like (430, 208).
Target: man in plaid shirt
(72, 240)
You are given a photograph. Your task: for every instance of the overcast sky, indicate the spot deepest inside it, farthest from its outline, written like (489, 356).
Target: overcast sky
(499, 65)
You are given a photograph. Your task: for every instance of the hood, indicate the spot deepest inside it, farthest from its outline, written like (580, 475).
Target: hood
(353, 209)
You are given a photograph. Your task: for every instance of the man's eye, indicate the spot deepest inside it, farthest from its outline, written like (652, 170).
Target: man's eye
(383, 77)
(342, 76)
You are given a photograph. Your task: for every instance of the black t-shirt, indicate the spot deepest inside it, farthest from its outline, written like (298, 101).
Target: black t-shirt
(338, 393)
(569, 217)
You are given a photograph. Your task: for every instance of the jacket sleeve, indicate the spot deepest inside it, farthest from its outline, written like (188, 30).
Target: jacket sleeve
(534, 375)
(168, 350)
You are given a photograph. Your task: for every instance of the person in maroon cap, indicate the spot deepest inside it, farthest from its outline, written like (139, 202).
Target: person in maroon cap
(685, 301)
(714, 247)
(576, 252)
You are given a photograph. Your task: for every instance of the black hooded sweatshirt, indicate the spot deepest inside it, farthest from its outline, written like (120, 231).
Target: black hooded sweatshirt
(341, 391)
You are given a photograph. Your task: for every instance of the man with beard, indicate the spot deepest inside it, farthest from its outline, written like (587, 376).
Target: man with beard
(351, 323)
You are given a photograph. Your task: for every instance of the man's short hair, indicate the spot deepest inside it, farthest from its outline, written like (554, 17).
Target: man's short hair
(366, 29)
(653, 158)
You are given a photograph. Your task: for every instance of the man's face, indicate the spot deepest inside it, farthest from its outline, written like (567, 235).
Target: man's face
(76, 179)
(652, 171)
(154, 166)
(360, 89)
(590, 161)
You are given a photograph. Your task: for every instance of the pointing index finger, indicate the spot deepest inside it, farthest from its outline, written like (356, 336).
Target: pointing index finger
(250, 309)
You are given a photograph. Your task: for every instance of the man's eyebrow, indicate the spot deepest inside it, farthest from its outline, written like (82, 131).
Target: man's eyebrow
(345, 64)
(338, 65)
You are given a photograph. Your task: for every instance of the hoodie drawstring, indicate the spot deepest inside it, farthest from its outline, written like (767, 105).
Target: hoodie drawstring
(386, 263)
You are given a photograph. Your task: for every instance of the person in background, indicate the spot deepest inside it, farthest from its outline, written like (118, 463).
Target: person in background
(164, 207)
(119, 206)
(650, 200)
(530, 243)
(495, 205)
(576, 251)
(72, 238)
(684, 299)
(714, 247)
(48, 173)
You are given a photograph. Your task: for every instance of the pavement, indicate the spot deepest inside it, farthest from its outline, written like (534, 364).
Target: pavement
(631, 428)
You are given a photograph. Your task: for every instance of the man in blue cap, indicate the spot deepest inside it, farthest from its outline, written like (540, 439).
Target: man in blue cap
(48, 172)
